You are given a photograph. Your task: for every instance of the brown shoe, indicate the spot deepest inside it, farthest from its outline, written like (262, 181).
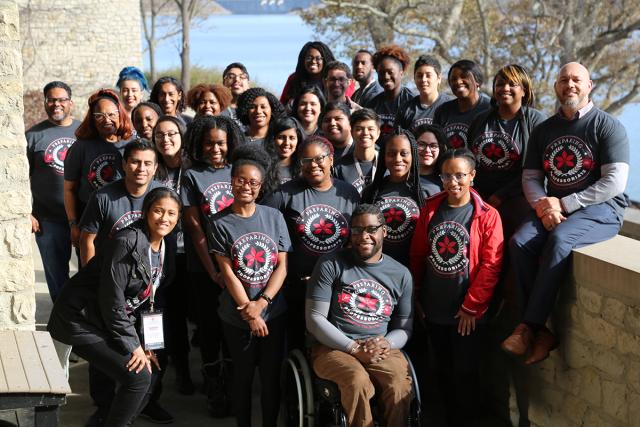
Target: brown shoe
(545, 342)
(519, 342)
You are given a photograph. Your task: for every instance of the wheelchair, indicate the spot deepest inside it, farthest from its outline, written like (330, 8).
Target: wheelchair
(310, 401)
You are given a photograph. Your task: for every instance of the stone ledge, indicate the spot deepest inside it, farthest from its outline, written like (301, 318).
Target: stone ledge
(631, 225)
(612, 267)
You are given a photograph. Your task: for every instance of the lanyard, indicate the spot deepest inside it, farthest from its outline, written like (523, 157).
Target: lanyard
(155, 282)
(346, 149)
(359, 169)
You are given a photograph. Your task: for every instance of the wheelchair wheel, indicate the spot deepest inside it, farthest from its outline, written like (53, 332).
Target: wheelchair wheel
(415, 414)
(297, 406)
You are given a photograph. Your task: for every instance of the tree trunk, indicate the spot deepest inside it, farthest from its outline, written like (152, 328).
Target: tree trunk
(184, 53)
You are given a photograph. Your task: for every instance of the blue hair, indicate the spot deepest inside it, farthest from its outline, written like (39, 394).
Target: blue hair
(132, 73)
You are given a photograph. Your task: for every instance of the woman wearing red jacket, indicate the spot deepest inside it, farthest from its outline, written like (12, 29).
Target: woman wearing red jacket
(456, 256)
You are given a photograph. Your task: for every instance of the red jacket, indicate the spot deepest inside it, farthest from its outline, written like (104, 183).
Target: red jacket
(485, 251)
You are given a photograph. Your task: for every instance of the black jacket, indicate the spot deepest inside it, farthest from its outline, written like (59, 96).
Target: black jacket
(100, 302)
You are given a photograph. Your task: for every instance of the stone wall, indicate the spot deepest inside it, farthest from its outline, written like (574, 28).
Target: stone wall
(593, 379)
(82, 42)
(17, 299)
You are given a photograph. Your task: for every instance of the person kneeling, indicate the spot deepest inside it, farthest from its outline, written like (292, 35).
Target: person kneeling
(358, 309)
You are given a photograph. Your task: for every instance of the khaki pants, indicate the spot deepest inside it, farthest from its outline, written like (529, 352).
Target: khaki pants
(358, 384)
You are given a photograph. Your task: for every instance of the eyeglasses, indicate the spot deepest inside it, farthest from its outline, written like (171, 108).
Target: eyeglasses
(313, 59)
(163, 135)
(102, 117)
(52, 101)
(431, 147)
(318, 160)
(341, 80)
(446, 177)
(371, 229)
(240, 182)
(232, 77)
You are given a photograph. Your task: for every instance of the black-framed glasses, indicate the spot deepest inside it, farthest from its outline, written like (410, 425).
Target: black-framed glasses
(52, 101)
(446, 177)
(431, 147)
(162, 135)
(241, 182)
(318, 160)
(370, 229)
(317, 59)
(231, 77)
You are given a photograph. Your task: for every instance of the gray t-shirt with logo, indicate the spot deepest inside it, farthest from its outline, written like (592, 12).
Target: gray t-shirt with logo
(456, 123)
(364, 298)
(47, 148)
(252, 244)
(447, 279)
(318, 221)
(93, 163)
(111, 209)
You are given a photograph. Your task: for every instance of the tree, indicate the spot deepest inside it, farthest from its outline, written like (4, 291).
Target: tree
(188, 11)
(154, 31)
(538, 34)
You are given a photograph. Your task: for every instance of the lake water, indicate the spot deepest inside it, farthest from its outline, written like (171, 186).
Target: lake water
(269, 45)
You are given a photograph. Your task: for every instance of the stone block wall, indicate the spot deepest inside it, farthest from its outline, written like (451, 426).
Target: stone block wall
(593, 378)
(17, 299)
(82, 42)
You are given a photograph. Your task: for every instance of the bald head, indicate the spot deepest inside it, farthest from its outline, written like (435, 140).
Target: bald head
(573, 86)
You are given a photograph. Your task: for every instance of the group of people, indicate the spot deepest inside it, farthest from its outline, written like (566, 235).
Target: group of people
(347, 222)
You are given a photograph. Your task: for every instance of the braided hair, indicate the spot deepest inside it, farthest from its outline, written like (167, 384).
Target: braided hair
(371, 192)
(200, 125)
(245, 100)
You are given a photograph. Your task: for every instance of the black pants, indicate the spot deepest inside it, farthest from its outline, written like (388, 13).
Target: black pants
(176, 314)
(132, 391)
(458, 359)
(265, 353)
(294, 292)
(209, 325)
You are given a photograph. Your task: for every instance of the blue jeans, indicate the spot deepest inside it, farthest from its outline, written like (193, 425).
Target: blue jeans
(540, 258)
(54, 243)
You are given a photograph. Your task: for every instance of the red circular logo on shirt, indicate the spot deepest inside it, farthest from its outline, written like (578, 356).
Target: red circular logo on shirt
(400, 215)
(216, 197)
(322, 228)
(456, 134)
(102, 170)
(365, 303)
(56, 152)
(254, 255)
(495, 151)
(448, 249)
(568, 161)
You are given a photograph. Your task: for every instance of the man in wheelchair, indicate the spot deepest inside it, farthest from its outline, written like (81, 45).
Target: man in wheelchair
(358, 309)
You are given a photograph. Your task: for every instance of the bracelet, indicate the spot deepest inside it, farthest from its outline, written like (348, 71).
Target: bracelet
(72, 222)
(354, 348)
(266, 298)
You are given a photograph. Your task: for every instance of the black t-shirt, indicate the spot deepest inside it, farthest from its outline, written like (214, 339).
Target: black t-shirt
(357, 173)
(430, 184)
(318, 221)
(47, 148)
(401, 214)
(447, 279)
(210, 190)
(455, 123)
(571, 152)
(387, 110)
(252, 244)
(364, 95)
(364, 298)
(111, 209)
(414, 114)
(93, 163)
(499, 149)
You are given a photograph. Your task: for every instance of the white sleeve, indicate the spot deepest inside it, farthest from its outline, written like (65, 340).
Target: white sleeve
(533, 185)
(612, 182)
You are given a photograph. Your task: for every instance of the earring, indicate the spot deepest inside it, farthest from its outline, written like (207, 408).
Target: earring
(471, 183)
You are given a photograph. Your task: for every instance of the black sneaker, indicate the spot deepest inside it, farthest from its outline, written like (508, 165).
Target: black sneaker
(156, 414)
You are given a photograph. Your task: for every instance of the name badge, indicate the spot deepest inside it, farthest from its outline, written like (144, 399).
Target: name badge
(152, 330)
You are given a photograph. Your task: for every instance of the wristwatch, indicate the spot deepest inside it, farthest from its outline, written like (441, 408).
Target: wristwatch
(72, 222)
(266, 298)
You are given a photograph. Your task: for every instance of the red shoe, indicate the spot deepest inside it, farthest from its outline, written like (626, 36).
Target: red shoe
(544, 343)
(519, 342)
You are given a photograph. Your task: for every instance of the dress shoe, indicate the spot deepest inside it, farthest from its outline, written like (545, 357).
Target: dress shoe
(545, 342)
(519, 342)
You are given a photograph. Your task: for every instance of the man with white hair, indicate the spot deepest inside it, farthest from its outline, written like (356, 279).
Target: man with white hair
(583, 153)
